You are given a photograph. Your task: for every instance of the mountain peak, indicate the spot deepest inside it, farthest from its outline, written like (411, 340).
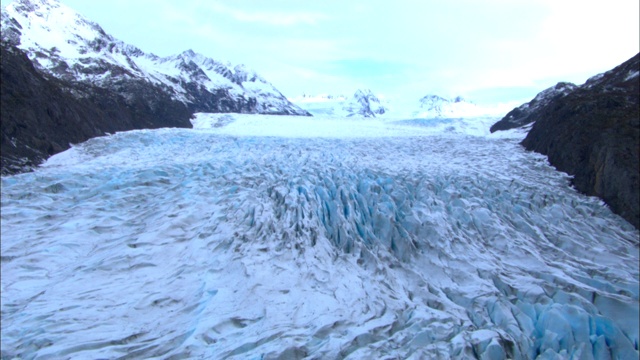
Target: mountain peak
(35, 5)
(47, 24)
(365, 103)
(432, 97)
(189, 53)
(63, 43)
(363, 93)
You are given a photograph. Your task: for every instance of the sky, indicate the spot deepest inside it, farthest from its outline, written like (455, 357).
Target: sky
(489, 51)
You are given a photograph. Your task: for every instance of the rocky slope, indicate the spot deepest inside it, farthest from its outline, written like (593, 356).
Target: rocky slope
(42, 115)
(524, 114)
(593, 133)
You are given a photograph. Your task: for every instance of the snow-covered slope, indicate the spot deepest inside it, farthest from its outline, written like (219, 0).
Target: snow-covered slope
(365, 104)
(67, 45)
(386, 241)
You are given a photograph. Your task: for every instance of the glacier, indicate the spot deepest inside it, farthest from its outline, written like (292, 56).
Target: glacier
(265, 237)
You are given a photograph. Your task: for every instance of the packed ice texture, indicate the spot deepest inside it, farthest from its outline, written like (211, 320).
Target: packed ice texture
(283, 237)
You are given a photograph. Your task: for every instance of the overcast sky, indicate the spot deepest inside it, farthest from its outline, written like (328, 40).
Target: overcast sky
(489, 51)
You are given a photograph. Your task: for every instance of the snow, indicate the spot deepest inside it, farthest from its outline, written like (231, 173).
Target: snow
(632, 75)
(295, 237)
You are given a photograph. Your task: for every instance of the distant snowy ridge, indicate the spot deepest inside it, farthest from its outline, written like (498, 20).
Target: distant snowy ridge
(364, 103)
(68, 46)
(438, 107)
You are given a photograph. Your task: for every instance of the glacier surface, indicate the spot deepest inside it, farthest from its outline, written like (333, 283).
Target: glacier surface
(263, 237)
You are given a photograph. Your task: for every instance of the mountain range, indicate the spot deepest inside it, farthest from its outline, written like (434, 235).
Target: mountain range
(66, 80)
(364, 103)
(66, 45)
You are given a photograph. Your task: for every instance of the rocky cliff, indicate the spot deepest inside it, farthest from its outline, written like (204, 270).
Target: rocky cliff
(593, 133)
(525, 114)
(42, 115)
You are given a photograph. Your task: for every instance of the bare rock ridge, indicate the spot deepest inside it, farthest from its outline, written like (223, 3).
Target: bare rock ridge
(83, 83)
(593, 133)
(525, 113)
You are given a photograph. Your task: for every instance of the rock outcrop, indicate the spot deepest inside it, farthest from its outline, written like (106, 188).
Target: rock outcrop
(42, 115)
(525, 114)
(593, 133)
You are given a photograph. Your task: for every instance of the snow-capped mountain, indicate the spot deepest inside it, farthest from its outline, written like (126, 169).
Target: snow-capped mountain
(434, 106)
(282, 237)
(365, 104)
(68, 46)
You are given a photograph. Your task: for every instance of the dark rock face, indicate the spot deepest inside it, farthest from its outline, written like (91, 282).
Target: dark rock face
(42, 115)
(525, 113)
(593, 133)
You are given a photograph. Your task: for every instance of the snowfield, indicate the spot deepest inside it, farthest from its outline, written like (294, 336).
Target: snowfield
(264, 237)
